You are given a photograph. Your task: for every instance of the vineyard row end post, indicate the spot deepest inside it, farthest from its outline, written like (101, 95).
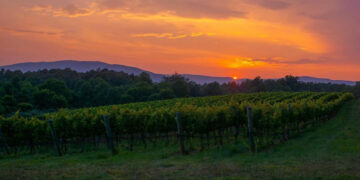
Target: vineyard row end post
(180, 133)
(251, 129)
(3, 140)
(53, 134)
(287, 130)
(109, 135)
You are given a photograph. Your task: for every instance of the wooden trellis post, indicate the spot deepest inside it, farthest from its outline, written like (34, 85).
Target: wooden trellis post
(287, 131)
(180, 133)
(109, 135)
(251, 129)
(53, 134)
(3, 140)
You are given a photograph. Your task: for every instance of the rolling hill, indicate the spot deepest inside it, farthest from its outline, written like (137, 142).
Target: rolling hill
(84, 66)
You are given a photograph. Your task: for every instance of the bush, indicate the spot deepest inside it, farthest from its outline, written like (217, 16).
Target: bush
(25, 106)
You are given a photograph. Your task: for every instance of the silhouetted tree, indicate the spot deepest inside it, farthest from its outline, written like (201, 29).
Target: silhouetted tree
(179, 85)
(356, 89)
(56, 88)
(167, 93)
(145, 77)
(9, 103)
(212, 89)
(45, 99)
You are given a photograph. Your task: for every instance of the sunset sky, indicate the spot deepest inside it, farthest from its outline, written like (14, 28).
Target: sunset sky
(243, 38)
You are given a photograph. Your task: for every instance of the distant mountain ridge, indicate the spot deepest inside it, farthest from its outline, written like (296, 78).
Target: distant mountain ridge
(324, 80)
(85, 66)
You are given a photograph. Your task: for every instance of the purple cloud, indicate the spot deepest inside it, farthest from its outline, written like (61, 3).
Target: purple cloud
(186, 8)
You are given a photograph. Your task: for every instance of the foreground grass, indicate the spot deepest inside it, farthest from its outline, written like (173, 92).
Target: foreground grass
(331, 151)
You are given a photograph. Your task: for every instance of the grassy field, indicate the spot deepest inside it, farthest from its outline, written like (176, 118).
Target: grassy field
(331, 151)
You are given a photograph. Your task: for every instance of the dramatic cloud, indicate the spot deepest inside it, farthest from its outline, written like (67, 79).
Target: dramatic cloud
(276, 61)
(171, 35)
(280, 60)
(246, 38)
(69, 10)
(273, 4)
(185, 8)
(24, 31)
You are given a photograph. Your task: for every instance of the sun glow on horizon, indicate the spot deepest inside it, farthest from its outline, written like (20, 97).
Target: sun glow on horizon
(235, 39)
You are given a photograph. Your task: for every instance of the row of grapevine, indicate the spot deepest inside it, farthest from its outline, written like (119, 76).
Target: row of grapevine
(200, 117)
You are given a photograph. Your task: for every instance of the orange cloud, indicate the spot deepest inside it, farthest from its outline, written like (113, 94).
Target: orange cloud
(214, 9)
(269, 38)
(70, 10)
(248, 29)
(26, 32)
(171, 35)
(239, 28)
(243, 62)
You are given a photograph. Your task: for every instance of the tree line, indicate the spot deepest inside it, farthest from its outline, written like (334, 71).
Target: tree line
(48, 90)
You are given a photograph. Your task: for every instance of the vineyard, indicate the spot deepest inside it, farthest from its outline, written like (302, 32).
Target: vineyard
(259, 119)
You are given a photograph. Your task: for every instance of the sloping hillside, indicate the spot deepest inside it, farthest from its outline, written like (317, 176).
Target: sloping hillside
(331, 151)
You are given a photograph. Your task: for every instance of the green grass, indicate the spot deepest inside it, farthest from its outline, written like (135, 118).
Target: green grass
(331, 151)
